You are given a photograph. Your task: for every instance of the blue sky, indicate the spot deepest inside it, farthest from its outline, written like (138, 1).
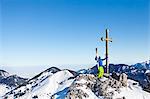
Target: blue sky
(45, 32)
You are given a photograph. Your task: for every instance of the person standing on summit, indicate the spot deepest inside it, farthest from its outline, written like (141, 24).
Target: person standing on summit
(100, 66)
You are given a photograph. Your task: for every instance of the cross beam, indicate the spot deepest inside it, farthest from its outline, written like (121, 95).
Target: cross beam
(107, 39)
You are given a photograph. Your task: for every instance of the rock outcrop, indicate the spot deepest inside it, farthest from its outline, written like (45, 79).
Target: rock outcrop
(83, 80)
(101, 87)
(123, 79)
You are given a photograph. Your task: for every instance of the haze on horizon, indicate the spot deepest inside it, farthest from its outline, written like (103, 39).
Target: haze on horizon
(45, 32)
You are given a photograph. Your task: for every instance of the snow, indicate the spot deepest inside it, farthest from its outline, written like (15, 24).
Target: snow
(132, 92)
(81, 81)
(103, 79)
(147, 71)
(4, 89)
(89, 92)
(47, 85)
(52, 84)
(62, 90)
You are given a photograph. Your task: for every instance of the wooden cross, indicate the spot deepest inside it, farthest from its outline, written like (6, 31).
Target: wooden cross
(107, 39)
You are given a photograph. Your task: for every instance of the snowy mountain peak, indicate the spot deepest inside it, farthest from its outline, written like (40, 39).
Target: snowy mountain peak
(52, 70)
(43, 85)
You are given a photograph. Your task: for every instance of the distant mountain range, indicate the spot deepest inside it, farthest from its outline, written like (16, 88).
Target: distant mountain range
(11, 80)
(139, 72)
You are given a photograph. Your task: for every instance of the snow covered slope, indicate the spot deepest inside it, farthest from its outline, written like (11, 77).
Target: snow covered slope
(8, 82)
(132, 91)
(42, 86)
(4, 89)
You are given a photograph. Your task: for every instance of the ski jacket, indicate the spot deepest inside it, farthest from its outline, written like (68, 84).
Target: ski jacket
(99, 61)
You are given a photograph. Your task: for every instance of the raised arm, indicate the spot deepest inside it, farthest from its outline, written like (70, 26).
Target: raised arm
(104, 59)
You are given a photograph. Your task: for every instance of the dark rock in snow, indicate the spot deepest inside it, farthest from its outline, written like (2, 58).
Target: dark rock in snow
(35, 97)
(3, 73)
(123, 79)
(115, 76)
(52, 70)
(73, 72)
(13, 80)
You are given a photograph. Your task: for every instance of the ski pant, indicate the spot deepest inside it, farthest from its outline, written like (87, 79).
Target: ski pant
(100, 71)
